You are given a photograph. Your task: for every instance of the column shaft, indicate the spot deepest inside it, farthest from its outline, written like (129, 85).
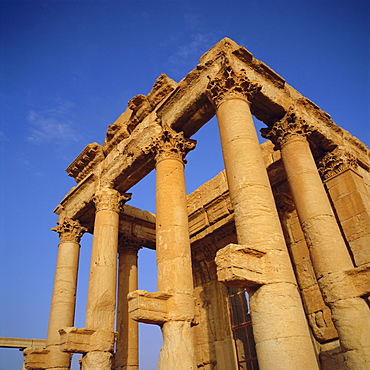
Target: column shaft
(328, 252)
(127, 347)
(101, 299)
(63, 303)
(314, 210)
(279, 324)
(174, 263)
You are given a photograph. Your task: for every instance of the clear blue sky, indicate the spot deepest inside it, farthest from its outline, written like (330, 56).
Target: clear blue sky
(67, 70)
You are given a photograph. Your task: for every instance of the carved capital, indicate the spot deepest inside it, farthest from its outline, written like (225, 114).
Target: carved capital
(69, 230)
(129, 244)
(336, 162)
(170, 144)
(110, 199)
(229, 84)
(290, 127)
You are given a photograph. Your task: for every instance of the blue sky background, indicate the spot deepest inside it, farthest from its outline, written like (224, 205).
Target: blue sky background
(67, 70)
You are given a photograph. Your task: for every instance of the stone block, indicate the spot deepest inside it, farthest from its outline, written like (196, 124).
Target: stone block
(346, 284)
(349, 206)
(217, 210)
(360, 248)
(305, 274)
(360, 279)
(357, 225)
(149, 308)
(198, 221)
(312, 299)
(74, 340)
(296, 230)
(299, 252)
(35, 358)
(322, 325)
(158, 308)
(240, 266)
(345, 183)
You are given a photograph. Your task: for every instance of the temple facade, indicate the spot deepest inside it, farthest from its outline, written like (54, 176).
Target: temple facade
(266, 266)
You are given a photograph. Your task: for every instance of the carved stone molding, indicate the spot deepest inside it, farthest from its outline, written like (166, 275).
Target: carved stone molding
(336, 162)
(129, 244)
(69, 230)
(170, 144)
(229, 84)
(110, 199)
(288, 128)
(86, 162)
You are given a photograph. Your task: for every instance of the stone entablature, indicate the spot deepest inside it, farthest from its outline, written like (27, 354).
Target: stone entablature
(187, 108)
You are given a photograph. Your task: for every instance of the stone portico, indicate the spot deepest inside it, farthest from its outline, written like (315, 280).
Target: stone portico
(265, 266)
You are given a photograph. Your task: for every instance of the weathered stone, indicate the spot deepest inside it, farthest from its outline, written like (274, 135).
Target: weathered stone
(267, 223)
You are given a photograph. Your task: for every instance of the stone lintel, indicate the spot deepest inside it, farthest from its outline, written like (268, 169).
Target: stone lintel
(187, 109)
(74, 340)
(22, 343)
(241, 266)
(35, 358)
(160, 307)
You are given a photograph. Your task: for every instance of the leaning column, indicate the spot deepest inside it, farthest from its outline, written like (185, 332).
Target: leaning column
(260, 261)
(101, 299)
(127, 347)
(328, 251)
(173, 254)
(63, 302)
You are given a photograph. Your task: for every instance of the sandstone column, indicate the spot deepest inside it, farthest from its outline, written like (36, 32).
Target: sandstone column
(260, 261)
(329, 254)
(101, 299)
(64, 293)
(173, 250)
(127, 346)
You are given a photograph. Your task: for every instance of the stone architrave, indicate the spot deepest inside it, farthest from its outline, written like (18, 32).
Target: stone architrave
(101, 299)
(328, 251)
(173, 305)
(127, 345)
(260, 262)
(63, 302)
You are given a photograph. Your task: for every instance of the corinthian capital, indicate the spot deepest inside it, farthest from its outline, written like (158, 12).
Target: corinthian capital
(110, 199)
(229, 84)
(336, 162)
(69, 230)
(288, 128)
(170, 144)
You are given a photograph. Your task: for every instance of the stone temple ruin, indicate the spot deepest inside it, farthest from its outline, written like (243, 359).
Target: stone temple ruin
(287, 224)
